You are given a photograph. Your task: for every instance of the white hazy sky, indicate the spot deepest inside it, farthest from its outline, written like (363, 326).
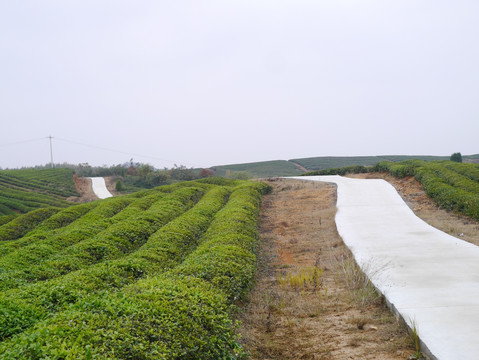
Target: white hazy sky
(204, 83)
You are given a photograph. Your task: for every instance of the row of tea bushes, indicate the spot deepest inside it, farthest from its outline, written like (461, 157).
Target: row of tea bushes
(89, 224)
(449, 196)
(21, 225)
(21, 308)
(53, 181)
(27, 190)
(93, 240)
(453, 186)
(44, 229)
(226, 258)
(180, 314)
(470, 171)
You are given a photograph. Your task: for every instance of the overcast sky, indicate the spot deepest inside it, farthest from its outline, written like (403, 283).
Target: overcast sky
(205, 83)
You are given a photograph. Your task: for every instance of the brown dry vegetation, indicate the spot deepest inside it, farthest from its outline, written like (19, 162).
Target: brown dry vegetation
(310, 300)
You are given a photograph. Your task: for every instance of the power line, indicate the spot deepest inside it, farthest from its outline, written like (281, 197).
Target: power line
(23, 142)
(121, 152)
(91, 146)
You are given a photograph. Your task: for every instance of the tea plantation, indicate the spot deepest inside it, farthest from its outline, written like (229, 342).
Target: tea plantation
(24, 190)
(452, 185)
(152, 275)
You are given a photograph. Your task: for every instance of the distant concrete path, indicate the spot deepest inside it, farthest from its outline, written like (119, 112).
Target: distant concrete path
(429, 277)
(99, 187)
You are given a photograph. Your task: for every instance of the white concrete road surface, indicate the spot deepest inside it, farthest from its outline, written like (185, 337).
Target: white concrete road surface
(99, 188)
(429, 277)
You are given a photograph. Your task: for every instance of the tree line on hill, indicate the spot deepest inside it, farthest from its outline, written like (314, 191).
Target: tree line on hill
(131, 176)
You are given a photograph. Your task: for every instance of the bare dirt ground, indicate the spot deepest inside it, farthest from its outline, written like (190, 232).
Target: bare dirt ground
(310, 300)
(83, 187)
(110, 182)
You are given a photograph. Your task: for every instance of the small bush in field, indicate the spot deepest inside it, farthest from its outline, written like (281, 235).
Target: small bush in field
(118, 185)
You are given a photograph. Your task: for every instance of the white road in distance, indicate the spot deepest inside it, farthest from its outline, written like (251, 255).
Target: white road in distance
(99, 188)
(429, 277)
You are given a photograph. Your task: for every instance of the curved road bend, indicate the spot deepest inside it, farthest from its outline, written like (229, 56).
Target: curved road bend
(99, 187)
(429, 277)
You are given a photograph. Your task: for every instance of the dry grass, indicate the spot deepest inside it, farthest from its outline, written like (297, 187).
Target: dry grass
(311, 301)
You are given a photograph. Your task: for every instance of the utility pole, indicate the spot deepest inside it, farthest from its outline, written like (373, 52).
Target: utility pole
(51, 151)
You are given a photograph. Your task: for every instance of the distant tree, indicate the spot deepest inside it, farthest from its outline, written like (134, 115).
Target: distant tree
(144, 170)
(131, 171)
(204, 173)
(457, 157)
(157, 178)
(119, 185)
(181, 173)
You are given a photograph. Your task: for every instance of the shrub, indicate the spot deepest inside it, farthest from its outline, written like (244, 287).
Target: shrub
(456, 157)
(118, 185)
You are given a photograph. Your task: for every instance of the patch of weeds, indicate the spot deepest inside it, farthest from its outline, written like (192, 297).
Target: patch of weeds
(414, 335)
(308, 278)
(357, 281)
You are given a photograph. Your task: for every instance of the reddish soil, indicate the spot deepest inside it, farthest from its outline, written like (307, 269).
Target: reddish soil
(83, 187)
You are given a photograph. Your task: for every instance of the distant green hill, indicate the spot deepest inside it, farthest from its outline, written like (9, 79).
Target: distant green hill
(299, 166)
(328, 162)
(24, 190)
(258, 169)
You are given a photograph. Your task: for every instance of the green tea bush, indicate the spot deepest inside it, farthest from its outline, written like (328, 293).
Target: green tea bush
(448, 196)
(165, 317)
(226, 257)
(173, 242)
(21, 225)
(149, 304)
(66, 216)
(88, 225)
(470, 171)
(7, 218)
(91, 242)
(353, 169)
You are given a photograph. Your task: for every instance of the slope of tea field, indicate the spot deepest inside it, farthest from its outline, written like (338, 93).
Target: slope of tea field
(259, 169)
(24, 190)
(328, 162)
(296, 167)
(148, 275)
(453, 186)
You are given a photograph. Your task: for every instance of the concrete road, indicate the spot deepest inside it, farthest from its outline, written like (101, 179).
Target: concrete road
(99, 187)
(430, 278)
